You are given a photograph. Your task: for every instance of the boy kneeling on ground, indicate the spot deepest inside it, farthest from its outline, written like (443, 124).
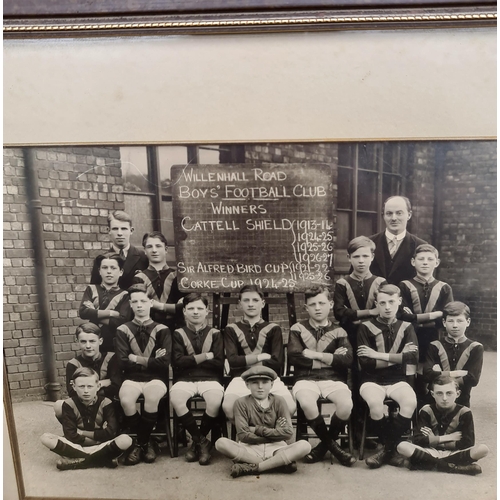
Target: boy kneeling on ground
(445, 437)
(89, 426)
(263, 423)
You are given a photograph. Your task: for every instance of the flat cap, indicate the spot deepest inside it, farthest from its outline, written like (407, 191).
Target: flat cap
(259, 372)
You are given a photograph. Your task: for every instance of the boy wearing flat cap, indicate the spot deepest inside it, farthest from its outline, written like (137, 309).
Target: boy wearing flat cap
(263, 424)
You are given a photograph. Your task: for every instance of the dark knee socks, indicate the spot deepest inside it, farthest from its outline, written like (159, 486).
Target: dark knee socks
(65, 450)
(319, 427)
(189, 423)
(207, 423)
(148, 422)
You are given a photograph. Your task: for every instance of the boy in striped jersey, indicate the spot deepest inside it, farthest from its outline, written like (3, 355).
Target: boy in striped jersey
(388, 354)
(445, 438)
(249, 342)
(354, 296)
(456, 355)
(424, 297)
(105, 364)
(161, 282)
(89, 427)
(106, 304)
(321, 354)
(198, 363)
(144, 349)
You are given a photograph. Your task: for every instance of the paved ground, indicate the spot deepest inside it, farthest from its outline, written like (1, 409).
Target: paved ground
(174, 479)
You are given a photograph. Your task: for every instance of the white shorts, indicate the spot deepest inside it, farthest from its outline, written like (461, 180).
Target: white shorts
(385, 391)
(265, 450)
(440, 453)
(238, 387)
(132, 384)
(323, 388)
(197, 388)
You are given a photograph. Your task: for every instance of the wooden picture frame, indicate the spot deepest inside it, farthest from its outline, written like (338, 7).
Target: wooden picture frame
(29, 24)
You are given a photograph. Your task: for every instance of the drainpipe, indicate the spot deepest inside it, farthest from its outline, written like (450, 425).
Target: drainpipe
(52, 387)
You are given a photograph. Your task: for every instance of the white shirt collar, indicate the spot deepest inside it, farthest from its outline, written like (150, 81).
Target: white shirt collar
(391, 236)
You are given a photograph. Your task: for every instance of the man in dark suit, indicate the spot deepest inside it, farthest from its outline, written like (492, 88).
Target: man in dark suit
(395, 246)
(120, 230)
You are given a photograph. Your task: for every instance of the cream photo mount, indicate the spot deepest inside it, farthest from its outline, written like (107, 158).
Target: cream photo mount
(465, 20)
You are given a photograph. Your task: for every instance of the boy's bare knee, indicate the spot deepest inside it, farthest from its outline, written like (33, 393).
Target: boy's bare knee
(406, 449)
(221, 444)
(49, 440)
(123, 441)
(479, 451)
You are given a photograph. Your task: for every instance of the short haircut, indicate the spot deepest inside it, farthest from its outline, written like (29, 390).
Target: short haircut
(119, 215)
(111, 256)
(456, 308)
(316, 290)
(193, 297)
(388, 289)
(426, 248)
(250, 288)
(360, 242)
(443, 380)
(406, 200)
(88, 328)
(154, 234)
(136, 288)
(84, 372)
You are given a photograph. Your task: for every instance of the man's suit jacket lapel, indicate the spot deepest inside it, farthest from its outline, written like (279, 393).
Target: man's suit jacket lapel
(133, 257)
(380, 253)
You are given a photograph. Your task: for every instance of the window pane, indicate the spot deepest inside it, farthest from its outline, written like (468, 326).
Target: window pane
(345, 188)
(391, 186)
(346, 152)
(367, 156)
(391, 157)
(167, 225)
(168, 156)
(343, 229)
(367, 191)
(208, 156)
(367, 224)
(135, 169)
(141, 209)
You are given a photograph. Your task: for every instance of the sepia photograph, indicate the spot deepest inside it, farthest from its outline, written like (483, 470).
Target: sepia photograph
(204, 303)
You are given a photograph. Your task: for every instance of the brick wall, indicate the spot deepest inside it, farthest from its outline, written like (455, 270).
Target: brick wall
(77, 189)
(468, 231)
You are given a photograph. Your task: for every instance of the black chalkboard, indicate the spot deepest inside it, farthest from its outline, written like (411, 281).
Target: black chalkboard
(240, 224)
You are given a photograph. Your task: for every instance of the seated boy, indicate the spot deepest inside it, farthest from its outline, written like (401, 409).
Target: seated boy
(263, 424)
(424, 297)
(456, 355)
(354, 296)
(253, 341)
(198, 363)
(321, 354)
(445, 439)
(106, 304)
(105, 364)
(387, 353)
(89, 426)
(161, 282)
(143, 348)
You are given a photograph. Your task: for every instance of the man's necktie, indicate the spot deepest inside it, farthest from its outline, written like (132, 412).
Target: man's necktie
(393, 244)
(122, 254)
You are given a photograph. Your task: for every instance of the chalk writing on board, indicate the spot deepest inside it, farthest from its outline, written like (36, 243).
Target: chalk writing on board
(240, 224)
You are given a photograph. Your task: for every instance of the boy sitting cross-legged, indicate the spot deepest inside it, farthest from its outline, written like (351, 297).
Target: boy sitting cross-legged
(106, 304)
(105, 364)
(263, 424)
(89, 426)
(253, 341)
(445, 439)
(456, 355)
(143, 348)
(198, 362)
(321, 355)
(387, 353)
